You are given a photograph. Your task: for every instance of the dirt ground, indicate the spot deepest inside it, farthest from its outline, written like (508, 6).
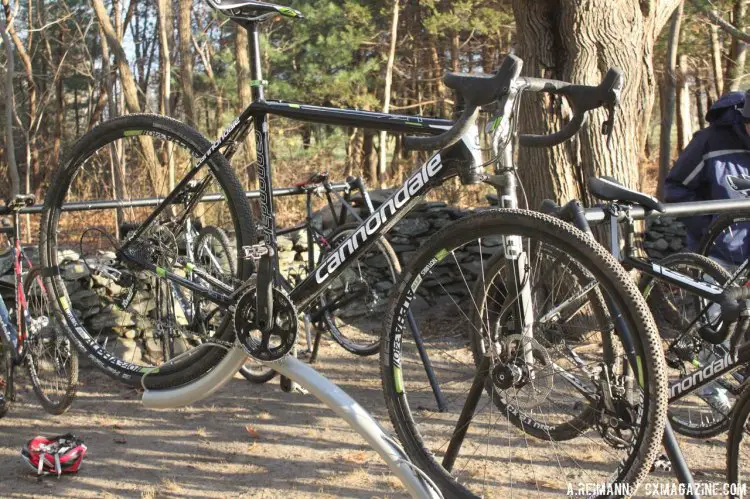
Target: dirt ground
(295, 447)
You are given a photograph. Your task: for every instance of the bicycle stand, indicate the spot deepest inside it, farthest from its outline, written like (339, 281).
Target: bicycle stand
(414, 480)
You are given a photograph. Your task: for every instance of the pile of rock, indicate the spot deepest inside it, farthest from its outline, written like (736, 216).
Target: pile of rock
(664, 236)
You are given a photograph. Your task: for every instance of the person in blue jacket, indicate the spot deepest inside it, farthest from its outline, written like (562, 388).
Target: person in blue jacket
(708, 169)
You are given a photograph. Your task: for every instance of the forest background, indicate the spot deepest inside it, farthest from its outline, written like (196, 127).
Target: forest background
(67, 65)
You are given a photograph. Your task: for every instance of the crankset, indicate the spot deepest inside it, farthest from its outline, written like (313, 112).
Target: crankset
(270, 343)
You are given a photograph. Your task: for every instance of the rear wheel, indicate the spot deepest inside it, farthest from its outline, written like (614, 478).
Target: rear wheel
(726, 240)
(114, 317)
(569, 400)
(679, 315)
(52, 359)
(357, 299)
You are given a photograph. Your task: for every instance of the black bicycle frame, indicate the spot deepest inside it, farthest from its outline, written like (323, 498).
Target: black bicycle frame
(430, 175)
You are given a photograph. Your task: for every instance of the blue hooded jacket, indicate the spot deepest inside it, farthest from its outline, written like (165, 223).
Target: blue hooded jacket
(705, 169)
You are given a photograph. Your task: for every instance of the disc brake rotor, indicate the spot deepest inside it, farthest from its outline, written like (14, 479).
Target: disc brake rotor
(524, 374)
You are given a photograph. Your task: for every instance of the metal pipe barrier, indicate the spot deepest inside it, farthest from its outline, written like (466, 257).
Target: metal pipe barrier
(138, 203)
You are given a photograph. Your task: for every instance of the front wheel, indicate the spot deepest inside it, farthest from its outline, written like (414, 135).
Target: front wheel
(52, 360)
(570, 375)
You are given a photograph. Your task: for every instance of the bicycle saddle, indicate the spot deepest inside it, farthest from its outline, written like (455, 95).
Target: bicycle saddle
(252, 10)
(609, 189)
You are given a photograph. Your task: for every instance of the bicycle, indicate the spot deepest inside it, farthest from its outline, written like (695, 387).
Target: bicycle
(695, 302)
(264, 317)
(352, 308)
(35, 341)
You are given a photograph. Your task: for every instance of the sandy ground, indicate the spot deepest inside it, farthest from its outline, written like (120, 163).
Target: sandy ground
(295, 446)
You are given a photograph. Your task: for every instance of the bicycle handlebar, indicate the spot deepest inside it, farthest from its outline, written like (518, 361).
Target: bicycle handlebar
(477, 91)
(582, 99)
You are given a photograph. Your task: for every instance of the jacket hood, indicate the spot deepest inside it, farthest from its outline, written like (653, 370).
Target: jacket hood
(726, 110)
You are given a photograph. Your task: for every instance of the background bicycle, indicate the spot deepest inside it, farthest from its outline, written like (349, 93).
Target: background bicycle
(31, 336)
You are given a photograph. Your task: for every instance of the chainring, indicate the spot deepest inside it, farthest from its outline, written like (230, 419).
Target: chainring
(274, 344)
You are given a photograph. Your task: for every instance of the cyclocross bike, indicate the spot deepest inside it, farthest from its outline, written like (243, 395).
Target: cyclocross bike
(589, 375)
(36, 340)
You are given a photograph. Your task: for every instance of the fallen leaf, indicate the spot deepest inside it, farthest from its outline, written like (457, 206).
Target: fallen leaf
(251, 431)
(117, 426)
(120, 440)
(356, 457)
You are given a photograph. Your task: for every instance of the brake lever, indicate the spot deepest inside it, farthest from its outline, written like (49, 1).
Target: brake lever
(609, 124)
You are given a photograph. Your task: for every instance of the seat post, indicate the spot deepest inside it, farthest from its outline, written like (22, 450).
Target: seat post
(256, 71)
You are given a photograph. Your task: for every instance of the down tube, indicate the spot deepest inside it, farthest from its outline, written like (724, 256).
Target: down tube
(432, 173)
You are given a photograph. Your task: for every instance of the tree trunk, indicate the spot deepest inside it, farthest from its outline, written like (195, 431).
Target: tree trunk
(59, 98)
(241, 47)
(186, 59)
(164, 13)
(684, 119)
(716, 62)
(669, 95)
(369, 163)
(736, 61)
(382, 166)
(130, 92)
(701, 106)
(576, 42)
(10, 149)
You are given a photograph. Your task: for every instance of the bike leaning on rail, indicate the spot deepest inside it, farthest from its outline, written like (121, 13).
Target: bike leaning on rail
(540, 364)
(36, 340)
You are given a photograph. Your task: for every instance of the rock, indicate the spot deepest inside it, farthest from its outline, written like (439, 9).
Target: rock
(67, 255)
(485, 251)
(406, 256)
(653, 235)
(399, 240)
(439, 223)
(127, 350)
(656, 255)
(492, 241)
(383, 285)
(433, 205)
(287, 256)
(75, 271)
(661, 245)
(675, 244)
(111, 317)
(180, 345)
(85, 299)
(378, 262)
(152, 347)
(73, 286)
(284, 243)
(401, 248)
(90, 312)
(412, 227)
